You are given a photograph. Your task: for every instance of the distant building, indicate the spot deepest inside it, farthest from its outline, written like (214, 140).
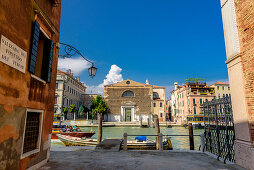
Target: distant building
(221, 89)
(69, 90)
(167, 110)
(29, 32)
(129, 101)
(87, 99)
(187, 99)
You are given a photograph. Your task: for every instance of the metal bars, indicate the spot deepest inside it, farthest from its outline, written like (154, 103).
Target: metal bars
(219, 128)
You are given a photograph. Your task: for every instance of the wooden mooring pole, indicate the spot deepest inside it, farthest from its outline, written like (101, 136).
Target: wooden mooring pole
(157, 130)
(99, 128)
(125, 141)
(191, 138)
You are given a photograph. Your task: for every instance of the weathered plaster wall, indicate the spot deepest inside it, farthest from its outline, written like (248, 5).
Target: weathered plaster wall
(18, 90)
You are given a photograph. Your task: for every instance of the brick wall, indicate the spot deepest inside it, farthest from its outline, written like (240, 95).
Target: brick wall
(142, 98)
(245, 25)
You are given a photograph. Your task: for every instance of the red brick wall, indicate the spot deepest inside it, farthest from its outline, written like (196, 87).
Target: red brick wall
(245, 24)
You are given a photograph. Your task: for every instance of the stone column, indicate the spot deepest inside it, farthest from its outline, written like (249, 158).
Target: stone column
(238, 19)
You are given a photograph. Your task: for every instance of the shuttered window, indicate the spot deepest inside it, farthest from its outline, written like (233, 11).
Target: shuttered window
(47, 60)
(41, 57)
(34, 46)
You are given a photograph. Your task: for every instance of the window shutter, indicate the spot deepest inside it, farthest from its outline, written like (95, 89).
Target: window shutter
(47, 60)
(34, 47)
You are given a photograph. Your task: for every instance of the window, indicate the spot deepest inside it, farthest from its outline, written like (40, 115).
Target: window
(195, 111)
(160, 104)
(154, 104)
(222, 87)
(128, 94)
(56, 85)
(68, 89)
(218, 87)
(41, 55)
(194, 101)
(200, 101)
(155, 95)
(228, 88)
(206, 100)
(161, 114)
(127, 82)
(55, 99)
(218, 96)
(32, 133)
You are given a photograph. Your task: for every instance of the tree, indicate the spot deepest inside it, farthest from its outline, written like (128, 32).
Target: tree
(65, 111)
(81, 110)
(99, 106)
(72, 109)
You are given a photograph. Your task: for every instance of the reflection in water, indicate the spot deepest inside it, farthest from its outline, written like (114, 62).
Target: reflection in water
(179, 143)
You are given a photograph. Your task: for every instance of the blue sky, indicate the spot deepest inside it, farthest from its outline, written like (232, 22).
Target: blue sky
(160, 40)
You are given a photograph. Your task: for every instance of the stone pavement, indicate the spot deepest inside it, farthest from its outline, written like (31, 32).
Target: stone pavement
(130, 160)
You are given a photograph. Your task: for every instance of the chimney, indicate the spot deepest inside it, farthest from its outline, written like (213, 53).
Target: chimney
(79, 79)
(175, 85)
(147, 82)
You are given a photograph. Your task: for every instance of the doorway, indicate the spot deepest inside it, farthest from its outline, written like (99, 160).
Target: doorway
(127, 114)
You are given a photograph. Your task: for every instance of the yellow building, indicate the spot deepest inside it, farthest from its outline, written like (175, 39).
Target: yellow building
(221, 89)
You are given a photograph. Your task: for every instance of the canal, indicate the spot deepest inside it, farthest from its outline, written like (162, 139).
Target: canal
(179, 143)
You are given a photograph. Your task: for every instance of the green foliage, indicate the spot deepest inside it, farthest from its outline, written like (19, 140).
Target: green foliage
(81, 109)
(72, 108)
(65, 110)
(99, 105)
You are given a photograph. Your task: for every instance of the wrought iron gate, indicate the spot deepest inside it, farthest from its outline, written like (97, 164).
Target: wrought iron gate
(219, 128)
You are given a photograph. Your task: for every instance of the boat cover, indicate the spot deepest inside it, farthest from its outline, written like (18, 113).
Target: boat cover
(140, 138)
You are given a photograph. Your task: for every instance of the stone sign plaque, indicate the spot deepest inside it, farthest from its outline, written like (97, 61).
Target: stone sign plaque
(12, 55)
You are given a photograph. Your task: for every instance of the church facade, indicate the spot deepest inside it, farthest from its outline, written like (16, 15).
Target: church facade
(131, 101)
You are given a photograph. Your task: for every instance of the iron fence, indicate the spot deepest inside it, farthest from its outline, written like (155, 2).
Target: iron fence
(219, 128)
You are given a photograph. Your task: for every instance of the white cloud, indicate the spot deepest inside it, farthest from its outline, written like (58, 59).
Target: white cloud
(114, 75)
(77, 65)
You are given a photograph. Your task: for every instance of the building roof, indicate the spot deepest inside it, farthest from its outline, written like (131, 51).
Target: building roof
(132, 83)
(220, 83)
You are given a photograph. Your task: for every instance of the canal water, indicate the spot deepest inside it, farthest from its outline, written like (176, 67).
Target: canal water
(178, 142)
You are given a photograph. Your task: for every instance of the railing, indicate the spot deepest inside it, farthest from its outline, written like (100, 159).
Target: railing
(219, 128)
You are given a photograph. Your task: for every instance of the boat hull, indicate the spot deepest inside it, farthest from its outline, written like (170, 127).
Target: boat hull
(74, 134)
(75, 141)
(131, 145)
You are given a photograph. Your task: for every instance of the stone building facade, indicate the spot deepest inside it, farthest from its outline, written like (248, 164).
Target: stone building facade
(221, 89)
(130, 101)
(29, 31)
(69, 90)
(187, 99)
(238, 25)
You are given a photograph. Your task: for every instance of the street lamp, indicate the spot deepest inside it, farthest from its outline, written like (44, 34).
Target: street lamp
(92, 71)
(71, 51)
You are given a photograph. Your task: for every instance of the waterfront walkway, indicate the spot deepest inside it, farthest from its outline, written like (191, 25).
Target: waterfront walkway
(130, 160)
(87, 123)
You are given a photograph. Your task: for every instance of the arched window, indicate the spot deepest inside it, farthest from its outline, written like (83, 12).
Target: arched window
(128, 94)
(155, 95)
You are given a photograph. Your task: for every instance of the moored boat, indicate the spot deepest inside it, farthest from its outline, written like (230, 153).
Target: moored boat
(132, 145)
(76, 141)
(74, 134)
(148, 145)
